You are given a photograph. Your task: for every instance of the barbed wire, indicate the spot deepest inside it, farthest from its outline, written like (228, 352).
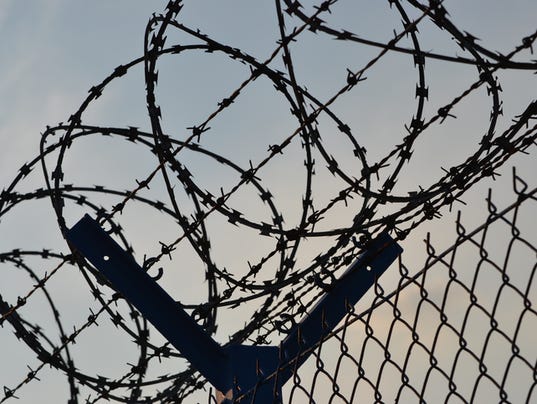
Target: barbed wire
(287, 292)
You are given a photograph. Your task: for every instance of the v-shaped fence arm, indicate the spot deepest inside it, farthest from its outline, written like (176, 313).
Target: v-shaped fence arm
(239, 369)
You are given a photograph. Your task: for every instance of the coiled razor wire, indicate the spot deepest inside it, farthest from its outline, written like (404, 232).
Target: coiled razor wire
(279, 284)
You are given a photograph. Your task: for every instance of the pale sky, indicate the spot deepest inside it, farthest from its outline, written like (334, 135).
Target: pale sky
(54, 51)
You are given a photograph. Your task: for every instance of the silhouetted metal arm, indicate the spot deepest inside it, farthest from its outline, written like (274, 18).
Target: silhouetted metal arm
(238, 369)
(120, 268)
(334, 305)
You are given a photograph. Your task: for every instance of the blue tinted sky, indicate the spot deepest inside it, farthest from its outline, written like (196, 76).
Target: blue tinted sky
(52, 52)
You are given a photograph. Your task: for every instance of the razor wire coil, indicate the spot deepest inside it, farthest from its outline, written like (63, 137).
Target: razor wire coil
(293, 288)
